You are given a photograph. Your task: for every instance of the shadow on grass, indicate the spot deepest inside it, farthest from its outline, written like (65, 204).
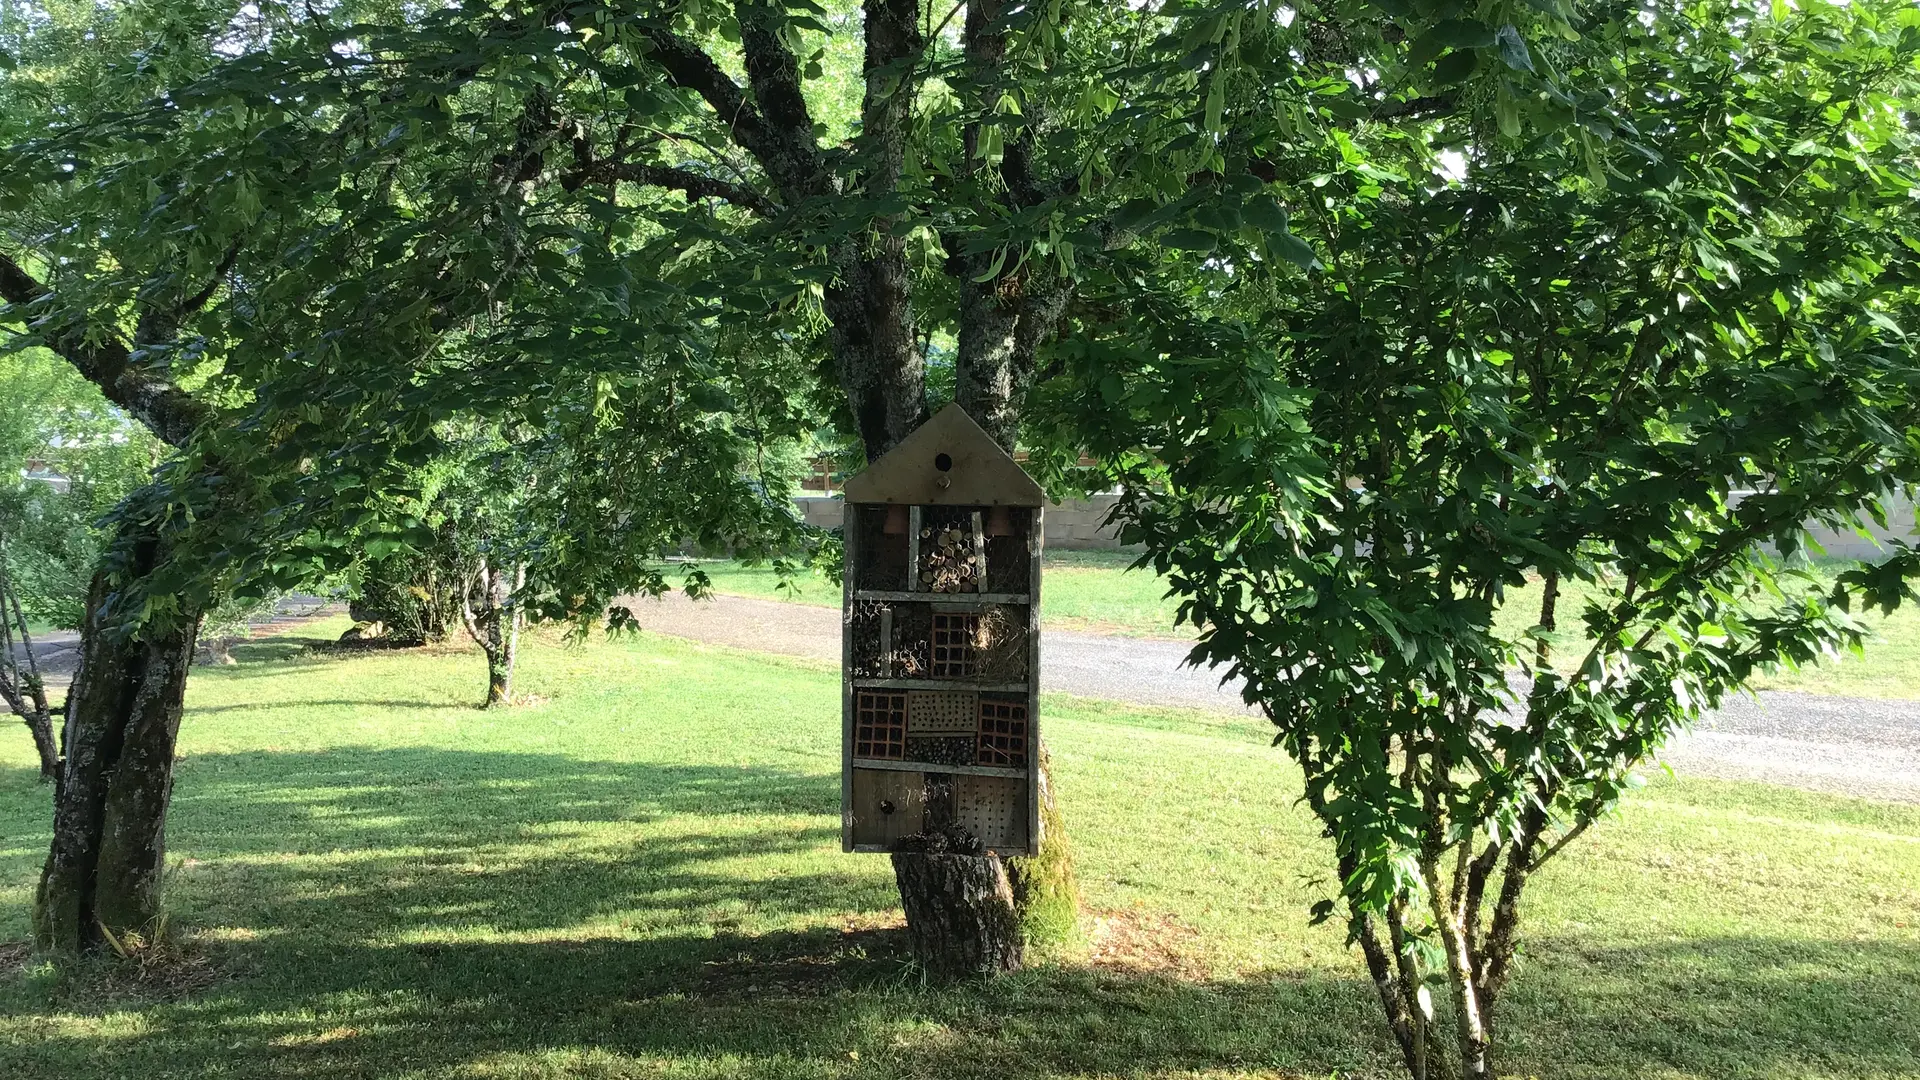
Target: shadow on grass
(272, 656)
(429, 912)
(426, 912)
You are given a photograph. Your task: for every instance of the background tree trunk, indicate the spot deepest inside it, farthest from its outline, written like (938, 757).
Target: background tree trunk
(20, 683)
(495, 627)
(108, 858)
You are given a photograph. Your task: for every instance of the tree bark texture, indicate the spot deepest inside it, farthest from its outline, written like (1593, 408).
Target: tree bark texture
(108, 858)
(960, 914)
(1004, 318)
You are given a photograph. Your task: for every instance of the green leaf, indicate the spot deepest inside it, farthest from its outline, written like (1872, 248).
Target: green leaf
(1346, 108)
(1265, 214)
(1506, 112)
(711, 398)
(1455, 67)
(1189, 240)
(1217, 217)
(1513, 49)
(1462, 33)
(993, 271)
(1294, 250)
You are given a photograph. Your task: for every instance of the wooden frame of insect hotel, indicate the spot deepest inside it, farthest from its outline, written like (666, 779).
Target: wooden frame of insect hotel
(941, 645)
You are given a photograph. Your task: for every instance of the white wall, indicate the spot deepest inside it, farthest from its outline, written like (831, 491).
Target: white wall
(1077, 524)
(1072, 525)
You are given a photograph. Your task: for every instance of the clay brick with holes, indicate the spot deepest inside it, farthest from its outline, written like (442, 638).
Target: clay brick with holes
(880, 726)
(955, 644)
(1003, 734)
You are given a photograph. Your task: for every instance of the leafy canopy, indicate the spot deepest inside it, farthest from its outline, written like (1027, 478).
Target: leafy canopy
(1640, 358)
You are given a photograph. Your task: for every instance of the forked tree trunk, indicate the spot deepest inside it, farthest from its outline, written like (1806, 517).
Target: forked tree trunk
(495, 626)
(108, 858)
(40, 727)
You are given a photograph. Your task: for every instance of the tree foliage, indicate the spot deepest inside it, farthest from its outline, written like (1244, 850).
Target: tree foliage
(1642, 358)
(1375, 310)
(89, 456)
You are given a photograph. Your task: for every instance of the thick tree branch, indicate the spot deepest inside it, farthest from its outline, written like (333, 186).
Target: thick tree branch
(199, 300)
(870, 307)
(591, 169)
(687, 65)
(1006, 312)
(692, 184)
(166, 410)
(774, 73)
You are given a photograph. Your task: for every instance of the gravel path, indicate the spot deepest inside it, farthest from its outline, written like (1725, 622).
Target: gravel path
(1848, 746)
(57, 652)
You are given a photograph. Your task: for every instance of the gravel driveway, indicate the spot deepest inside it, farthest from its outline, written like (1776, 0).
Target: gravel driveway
(1850, 746)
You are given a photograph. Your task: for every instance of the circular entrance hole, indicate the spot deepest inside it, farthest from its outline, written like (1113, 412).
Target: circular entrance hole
(942, 462)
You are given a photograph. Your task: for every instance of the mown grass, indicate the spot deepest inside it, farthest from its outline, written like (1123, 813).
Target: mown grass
(1096, 592)
(639, 876)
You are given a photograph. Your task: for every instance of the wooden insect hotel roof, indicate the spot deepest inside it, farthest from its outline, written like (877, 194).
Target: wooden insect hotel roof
(947, 461)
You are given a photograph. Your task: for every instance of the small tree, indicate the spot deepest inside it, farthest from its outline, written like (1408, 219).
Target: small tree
(407, 598)
(1642, 369)
(21, 687)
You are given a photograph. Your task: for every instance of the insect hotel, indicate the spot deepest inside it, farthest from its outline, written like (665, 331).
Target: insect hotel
(941, 645)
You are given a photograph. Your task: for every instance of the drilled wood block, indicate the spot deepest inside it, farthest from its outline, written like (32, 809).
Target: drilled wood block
(942, 749)
(992, 808)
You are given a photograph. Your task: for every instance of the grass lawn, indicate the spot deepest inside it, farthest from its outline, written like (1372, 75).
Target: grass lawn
(1095, 592)
(639, 876)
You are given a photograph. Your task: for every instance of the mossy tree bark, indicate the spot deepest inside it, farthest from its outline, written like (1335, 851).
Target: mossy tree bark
(105, 867)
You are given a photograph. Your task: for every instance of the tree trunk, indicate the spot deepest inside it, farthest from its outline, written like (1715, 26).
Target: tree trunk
(960, 914)
(40, 726)
(496, 626)
(20, 683)
(108, 857)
